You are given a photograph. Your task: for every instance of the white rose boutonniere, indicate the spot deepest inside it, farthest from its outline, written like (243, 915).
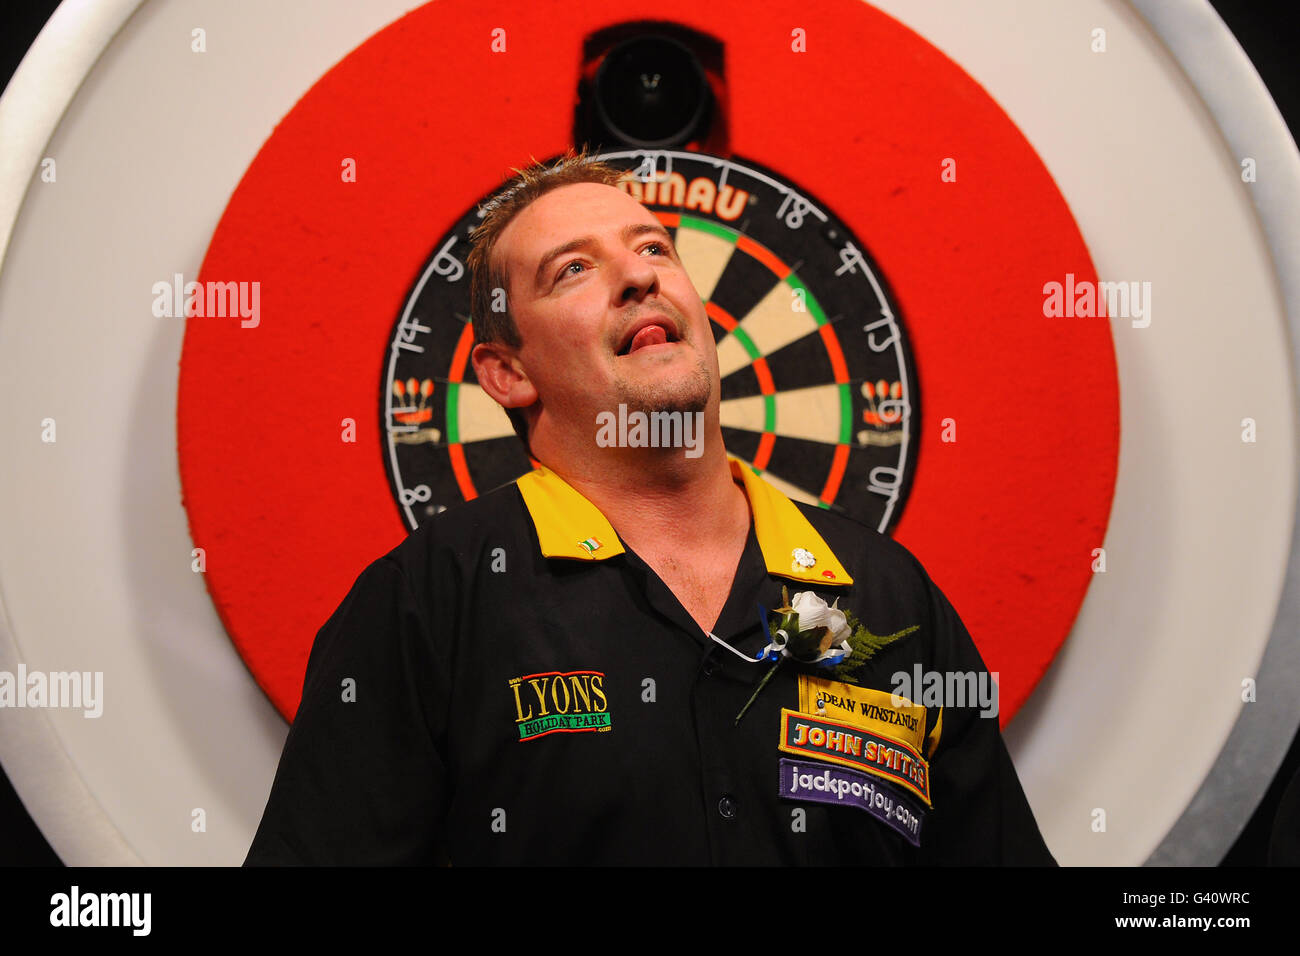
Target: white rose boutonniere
(807, 630)
(812, 613)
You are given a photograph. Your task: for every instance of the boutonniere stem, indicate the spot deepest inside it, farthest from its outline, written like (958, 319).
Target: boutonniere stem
(771, 671)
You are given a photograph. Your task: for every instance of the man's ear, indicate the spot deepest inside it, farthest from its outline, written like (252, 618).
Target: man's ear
(501, 375)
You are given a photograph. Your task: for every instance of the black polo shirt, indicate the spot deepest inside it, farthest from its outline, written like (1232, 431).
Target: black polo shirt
(512, 685)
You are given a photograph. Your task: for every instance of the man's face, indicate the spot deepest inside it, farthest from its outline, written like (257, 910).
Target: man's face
(605, 309)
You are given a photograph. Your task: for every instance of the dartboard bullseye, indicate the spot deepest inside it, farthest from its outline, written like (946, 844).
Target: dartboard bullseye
(819, 393)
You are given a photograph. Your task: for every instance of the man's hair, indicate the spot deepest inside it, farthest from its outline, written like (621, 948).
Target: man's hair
(486, 276)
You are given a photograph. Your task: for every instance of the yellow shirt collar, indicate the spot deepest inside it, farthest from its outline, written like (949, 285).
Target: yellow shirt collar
(570, 526)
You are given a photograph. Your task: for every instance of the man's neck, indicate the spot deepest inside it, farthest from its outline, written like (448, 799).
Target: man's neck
(658, 499)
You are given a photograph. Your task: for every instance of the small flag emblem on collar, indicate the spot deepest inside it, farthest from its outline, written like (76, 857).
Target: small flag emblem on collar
(591, 544)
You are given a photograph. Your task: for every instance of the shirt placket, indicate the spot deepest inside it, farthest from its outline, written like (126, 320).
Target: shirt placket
(726, 753)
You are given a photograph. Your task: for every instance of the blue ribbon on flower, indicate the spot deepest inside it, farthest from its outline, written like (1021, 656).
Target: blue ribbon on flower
(778, 649)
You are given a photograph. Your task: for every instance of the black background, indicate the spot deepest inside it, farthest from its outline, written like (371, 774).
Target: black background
(1265, 30)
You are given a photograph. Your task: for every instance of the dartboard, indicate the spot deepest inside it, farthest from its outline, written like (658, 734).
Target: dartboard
(818, 390)
(845, 279)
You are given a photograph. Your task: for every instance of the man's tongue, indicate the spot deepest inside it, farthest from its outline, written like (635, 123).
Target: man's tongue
(650, 335)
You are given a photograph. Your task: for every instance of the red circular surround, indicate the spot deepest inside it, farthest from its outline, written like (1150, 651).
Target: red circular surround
(1005, 518)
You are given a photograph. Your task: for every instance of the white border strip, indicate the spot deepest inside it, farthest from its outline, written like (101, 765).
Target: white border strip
(42, 87)
(1240, 103)
(33, 104)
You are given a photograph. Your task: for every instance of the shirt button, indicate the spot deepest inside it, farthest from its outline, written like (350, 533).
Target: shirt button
(727, 807)
(709, 667)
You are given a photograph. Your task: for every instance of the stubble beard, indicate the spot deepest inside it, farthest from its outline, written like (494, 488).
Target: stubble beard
(688, 394)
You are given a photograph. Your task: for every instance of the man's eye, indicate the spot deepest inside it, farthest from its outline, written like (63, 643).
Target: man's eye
(662, 247)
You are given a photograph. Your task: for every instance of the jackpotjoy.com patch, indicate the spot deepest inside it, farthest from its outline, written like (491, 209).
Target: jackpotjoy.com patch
(838, 786)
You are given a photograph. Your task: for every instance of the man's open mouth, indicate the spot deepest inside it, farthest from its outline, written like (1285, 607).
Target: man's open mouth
(651, 333)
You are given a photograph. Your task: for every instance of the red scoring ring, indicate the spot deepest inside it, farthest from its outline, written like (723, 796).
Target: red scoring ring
(1004, 519)
(766, 384)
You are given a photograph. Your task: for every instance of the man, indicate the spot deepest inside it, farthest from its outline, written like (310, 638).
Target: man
(566, 669)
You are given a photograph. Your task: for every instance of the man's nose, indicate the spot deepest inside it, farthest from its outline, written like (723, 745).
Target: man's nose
(637, 278)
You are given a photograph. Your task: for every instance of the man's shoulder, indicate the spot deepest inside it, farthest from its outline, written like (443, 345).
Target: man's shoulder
(892, 590)
(875, 560)
(463, 529)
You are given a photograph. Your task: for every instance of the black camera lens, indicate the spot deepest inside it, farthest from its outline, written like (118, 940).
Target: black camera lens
(652, 92)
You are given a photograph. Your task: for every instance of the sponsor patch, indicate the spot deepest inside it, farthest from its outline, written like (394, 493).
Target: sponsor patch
(841, 787)
(863, 707)
(805, 735)
(560, 702)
